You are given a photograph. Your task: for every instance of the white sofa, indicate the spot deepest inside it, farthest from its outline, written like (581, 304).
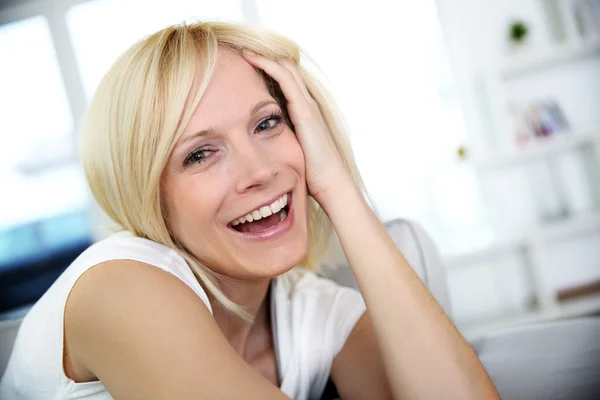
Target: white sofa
(418, 249)
(550, 360)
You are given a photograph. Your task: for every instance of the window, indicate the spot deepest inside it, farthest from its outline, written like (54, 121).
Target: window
(44, 196)
(37, 134)
(103, 29)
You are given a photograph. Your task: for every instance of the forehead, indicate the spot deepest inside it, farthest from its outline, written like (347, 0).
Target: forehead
(234, 88)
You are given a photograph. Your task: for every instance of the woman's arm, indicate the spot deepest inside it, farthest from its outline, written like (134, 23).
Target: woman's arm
(146, 335)
(357, 370)
(422, 353)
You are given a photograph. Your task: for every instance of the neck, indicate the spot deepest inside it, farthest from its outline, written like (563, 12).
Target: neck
(246, 338)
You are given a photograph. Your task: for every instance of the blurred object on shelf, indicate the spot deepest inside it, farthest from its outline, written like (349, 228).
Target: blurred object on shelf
(518, 37)
(587, 17)
(556, 19)
(575, 292)
(518, 31)
(522, 132)
(462, 153)
(539, 120)
(545, 118)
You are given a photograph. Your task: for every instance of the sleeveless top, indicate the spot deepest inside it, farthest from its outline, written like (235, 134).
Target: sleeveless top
(311, 319)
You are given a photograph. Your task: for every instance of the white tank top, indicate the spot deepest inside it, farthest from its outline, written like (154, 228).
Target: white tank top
(311, 316)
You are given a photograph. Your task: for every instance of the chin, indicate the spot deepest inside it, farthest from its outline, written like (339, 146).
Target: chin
(272, 262)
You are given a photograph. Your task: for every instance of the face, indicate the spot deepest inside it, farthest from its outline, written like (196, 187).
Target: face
(234, 187)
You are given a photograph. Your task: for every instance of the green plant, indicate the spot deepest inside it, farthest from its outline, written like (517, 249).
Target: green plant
(518, 31)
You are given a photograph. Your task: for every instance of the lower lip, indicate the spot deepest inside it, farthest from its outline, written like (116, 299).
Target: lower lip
(276, 231)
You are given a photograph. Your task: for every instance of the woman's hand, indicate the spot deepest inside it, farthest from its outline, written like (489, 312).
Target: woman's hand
(325, 170)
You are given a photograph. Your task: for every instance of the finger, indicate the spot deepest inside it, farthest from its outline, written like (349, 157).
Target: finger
(282, 75)
(293, 68)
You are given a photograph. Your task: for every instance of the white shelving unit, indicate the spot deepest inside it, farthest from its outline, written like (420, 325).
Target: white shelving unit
(548, 308)
(531, 244)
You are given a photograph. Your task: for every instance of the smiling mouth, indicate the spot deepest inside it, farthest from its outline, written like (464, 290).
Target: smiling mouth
(264, 218)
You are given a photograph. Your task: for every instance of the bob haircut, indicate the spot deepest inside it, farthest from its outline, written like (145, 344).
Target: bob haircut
(140, 110)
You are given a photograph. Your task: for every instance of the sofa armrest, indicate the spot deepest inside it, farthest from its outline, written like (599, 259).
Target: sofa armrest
(418, 249)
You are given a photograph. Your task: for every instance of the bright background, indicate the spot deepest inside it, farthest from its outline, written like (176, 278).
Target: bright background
(416, 81)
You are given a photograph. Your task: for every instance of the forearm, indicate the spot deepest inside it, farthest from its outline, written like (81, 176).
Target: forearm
(424, 355)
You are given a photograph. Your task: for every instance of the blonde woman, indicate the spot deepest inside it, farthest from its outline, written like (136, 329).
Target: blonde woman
(224, 163)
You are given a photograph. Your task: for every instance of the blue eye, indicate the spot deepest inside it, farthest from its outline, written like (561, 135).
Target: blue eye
(197, 156)
(269, 123)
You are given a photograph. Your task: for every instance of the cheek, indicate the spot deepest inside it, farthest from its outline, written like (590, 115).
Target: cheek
(193, 203)
(290, 152)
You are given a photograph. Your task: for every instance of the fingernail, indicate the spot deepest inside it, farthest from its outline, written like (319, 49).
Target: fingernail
(248, 52)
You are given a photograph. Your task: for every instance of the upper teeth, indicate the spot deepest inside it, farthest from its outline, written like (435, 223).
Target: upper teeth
(264, 211)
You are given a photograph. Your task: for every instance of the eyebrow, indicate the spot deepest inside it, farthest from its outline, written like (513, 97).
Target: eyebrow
(260, 105)
(208, 132)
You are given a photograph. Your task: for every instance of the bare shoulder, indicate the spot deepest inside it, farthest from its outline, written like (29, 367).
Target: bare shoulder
(117, 288)
(145, 334)
(121, 298)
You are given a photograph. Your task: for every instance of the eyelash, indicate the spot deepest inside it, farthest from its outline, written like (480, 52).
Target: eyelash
(277, 116)
(191, 158)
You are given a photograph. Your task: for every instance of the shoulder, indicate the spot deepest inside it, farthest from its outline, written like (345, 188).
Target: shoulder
(144, 334)
(126, 268)
(126, 300)
(124, 245)
(118, 287)
(124, 285)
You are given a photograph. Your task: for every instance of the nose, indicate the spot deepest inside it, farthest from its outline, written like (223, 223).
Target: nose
(257, 168)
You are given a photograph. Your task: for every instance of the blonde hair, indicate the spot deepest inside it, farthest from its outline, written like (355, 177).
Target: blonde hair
(140, 110)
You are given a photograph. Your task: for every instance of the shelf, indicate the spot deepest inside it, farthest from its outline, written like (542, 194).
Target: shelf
(574, 308)
(541, 233)
(487, 252)
(573, 226)
(521, 66)
(539, 149)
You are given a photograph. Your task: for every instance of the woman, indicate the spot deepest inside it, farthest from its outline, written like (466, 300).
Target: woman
(223, 161)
